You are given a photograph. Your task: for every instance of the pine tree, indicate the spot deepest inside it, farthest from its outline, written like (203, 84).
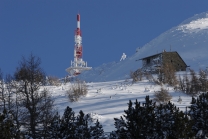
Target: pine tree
(160, 121)
(54, 128)
(149, 118)
(67, 125)
(171, 122)
(199, 114)
(182, 125)
(139, 121)
(8, 129)
(113, 135)
(96, 131)
(71, 127)
(121, 131)
(82, 131)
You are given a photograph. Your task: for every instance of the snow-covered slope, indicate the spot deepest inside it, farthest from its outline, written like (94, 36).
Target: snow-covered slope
(108, 100)
(189, 39)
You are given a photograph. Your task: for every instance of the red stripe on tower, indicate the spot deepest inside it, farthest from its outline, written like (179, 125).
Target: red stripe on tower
(78, 17)
(78, 25)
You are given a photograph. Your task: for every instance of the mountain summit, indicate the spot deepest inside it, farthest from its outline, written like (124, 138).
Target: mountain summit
(189, 39)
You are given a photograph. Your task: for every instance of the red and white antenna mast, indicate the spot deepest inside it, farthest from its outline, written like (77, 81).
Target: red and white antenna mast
(78, 65)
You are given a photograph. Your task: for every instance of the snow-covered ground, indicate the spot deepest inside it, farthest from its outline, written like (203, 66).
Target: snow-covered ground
(108, 100)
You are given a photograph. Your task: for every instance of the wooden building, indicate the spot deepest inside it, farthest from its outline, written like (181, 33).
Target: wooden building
(154, 62)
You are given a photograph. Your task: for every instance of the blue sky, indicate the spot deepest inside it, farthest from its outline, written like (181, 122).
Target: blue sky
(109, 28)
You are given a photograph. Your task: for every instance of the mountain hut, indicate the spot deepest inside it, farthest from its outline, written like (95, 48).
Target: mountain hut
(154, 62)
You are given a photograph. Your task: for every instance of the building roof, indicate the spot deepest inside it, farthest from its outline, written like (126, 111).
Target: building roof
(150, 56)
(162, 53)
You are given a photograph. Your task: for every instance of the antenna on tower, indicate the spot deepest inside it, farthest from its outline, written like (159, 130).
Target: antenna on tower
(78, 65)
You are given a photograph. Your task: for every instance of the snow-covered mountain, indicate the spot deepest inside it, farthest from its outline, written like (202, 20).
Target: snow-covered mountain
(189, 39)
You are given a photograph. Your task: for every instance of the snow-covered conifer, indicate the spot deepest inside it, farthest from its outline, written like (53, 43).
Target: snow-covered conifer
(121, 131)
(96, 131)
(8, 129)
(199, 114)
(171, 122)
(54, 128)
(82, 131)
(67, 126)
(139, 121)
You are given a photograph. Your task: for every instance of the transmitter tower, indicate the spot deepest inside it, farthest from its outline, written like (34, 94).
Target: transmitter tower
(78, 65)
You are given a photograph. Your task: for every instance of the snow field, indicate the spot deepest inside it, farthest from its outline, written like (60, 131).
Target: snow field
(108, 100)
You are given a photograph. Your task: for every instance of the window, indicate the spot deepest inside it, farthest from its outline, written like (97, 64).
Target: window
(148, 60)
